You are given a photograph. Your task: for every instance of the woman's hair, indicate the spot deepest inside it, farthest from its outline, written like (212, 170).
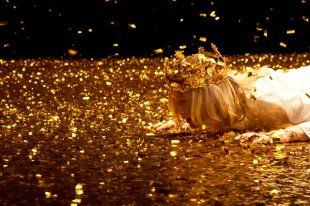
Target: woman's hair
(216, 107)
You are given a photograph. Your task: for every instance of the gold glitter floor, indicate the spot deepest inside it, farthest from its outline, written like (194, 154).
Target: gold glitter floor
(72, 134)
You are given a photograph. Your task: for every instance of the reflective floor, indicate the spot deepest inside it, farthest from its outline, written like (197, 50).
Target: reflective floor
(72, 134)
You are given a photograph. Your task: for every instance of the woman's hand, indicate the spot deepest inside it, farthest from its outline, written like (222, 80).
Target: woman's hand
(290, 134)
(255, 137)
(162, 126)
(167, 125)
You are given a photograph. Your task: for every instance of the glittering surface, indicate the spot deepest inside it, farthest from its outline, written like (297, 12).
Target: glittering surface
(72, 134)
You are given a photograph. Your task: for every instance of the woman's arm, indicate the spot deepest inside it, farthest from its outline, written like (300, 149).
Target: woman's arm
(295, 133)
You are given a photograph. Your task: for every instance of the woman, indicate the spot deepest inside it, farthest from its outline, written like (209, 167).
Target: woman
(267, 105)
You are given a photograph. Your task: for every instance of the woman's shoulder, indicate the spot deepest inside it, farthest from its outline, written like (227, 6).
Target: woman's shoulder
(249, 75)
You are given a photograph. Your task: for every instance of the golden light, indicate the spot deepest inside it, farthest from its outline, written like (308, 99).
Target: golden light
(292, 31)
(133, 26)
(158, 51)
(3, 23)
(72, 52)
(203, 39)
(282, 44)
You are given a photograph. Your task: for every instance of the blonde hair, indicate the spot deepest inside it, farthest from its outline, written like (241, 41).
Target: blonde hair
(216, 107)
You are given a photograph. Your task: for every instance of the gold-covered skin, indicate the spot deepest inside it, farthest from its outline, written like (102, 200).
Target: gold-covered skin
(72, 133)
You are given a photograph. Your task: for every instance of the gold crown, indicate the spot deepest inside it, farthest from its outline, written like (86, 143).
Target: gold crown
(194, 71)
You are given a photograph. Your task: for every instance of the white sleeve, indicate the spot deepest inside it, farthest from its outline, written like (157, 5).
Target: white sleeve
(305, 126)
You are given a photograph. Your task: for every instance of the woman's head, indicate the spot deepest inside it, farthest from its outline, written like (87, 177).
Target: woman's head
(217, 106)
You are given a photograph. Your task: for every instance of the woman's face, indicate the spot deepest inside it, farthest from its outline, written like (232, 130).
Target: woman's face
(183, 105)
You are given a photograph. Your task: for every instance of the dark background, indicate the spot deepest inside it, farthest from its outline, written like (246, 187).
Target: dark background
(101, 28)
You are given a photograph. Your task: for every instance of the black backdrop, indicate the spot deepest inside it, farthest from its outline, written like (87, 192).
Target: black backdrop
(100, 28)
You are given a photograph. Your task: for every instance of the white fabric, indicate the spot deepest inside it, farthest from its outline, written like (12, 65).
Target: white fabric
(305, 126)
(291, 91)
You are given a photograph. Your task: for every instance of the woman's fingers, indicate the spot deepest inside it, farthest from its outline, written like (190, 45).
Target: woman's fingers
(161, 126)
(260, 138)
(167, 125)
(151, 127)
(254, 137)
(263, 139)
(246, 136)
(157, 125)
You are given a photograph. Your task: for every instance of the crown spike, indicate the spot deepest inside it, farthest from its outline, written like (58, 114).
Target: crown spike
(198, 70)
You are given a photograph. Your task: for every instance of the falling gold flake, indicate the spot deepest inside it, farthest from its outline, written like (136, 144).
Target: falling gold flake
(133, 26)
(203, 39)
(306, 19)
(158, 51)
(265, 33)
(3, 23)
(290, 31)
(72, 52)
(212, 14)
(282, 44)
(202, 14)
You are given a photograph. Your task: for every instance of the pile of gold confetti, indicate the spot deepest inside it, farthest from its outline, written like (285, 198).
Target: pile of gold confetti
(72, 133)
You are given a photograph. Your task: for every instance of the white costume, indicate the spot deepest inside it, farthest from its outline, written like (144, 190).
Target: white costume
(291, 91)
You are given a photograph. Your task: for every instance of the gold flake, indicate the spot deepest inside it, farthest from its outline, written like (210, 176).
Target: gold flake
(282, 44)
(212, 14)
(175, 141)
(274, 192)
(158, 51)
(203, 39)
(48, 194)
(173, 153)
(133, 26)
(290, 31)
